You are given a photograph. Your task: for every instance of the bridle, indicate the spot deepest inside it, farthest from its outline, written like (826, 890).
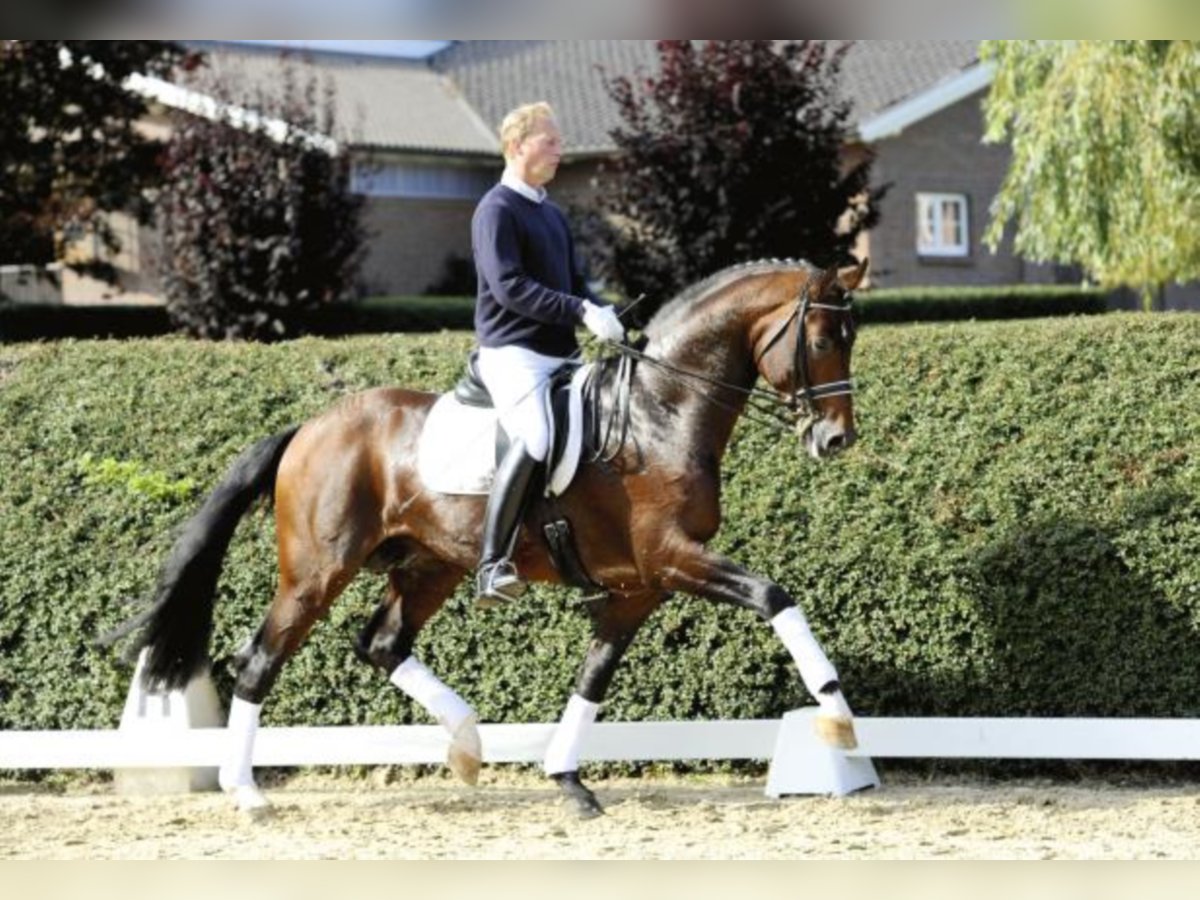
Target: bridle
(763, 406)
(803, 395)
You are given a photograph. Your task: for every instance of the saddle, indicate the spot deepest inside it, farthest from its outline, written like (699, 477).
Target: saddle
(471, 391)
(462, 443)
(462, 440)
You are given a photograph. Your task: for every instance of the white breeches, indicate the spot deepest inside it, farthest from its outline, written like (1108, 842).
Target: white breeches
(518, 380)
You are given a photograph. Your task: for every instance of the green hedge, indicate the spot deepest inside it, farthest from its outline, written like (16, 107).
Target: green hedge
(943, 304)
(386, 315)
(1016, 533)
(378, 315)
(53, 321)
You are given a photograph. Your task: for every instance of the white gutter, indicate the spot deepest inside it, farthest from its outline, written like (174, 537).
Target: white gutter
(894, 120)
(208, 107)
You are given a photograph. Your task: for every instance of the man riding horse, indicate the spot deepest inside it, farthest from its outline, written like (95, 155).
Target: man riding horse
(349, 495)
(532, 294)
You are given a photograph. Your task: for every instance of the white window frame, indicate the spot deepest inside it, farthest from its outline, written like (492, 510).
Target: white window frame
(935, 202)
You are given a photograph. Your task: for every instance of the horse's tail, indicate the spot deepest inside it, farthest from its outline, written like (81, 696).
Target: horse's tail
(176, 627)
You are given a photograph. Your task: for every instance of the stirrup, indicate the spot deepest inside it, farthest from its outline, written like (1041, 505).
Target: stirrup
(498, 583)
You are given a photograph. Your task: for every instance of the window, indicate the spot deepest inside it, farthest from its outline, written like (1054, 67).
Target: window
(403, 179)
(942, 225)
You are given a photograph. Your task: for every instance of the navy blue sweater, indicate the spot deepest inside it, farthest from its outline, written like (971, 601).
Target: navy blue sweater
(531, 287)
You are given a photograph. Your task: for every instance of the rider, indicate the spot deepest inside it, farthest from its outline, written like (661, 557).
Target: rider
(531, 295)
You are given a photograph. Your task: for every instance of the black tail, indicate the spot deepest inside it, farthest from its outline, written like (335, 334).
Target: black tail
(177, 626)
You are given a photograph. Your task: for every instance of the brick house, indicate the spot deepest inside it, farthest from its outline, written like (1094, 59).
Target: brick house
(424, 145)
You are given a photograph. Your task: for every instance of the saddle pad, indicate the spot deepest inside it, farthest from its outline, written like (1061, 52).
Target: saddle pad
(456, 453)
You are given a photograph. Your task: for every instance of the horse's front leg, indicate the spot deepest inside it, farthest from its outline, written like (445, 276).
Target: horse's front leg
(698, 571)
(616, 624)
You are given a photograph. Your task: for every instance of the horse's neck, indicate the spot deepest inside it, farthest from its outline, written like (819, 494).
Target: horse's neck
(705, 412)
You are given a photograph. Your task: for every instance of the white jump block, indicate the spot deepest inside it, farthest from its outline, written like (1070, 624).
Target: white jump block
(153, 719)
(804, 764)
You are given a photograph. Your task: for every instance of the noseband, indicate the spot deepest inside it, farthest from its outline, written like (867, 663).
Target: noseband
(804, 394)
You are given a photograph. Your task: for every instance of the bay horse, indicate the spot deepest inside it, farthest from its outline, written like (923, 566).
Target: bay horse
(346, 489)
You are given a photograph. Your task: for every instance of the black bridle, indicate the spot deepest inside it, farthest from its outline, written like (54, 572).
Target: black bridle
(767, 407)
(804, 394)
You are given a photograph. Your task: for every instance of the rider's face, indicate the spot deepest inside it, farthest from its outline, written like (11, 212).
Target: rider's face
(539, 154)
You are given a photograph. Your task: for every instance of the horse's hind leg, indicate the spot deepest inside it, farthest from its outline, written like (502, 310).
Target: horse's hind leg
(617, 621)
(296, 608)
(416, 592)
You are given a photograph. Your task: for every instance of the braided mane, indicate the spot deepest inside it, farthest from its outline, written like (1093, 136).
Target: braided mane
(682, 303)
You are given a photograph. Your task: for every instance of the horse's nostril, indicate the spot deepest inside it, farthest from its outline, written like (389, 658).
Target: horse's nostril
(840, 441)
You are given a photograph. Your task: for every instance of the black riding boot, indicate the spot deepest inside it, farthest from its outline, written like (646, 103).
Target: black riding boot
(498, 579)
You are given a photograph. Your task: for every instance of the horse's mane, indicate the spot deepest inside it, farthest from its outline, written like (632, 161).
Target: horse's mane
(678, 307)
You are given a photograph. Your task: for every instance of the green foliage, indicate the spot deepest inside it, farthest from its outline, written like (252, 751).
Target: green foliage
(50, 321)
(1015, 533)
(260, 226)
(69, 151)
(1106, 156)
(135, 478)
(373, 315)
(380, 315)
(941, 304)
(733, 151)
(387, 315)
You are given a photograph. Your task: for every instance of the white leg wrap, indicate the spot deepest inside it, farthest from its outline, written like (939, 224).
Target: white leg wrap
(439, 701)
(816, 670)
(238, 769)
(563, 753)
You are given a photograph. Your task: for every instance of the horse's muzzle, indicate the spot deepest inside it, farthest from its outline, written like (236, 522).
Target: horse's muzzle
(826, 439)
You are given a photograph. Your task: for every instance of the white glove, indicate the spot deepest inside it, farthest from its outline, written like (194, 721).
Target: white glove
(602, 321)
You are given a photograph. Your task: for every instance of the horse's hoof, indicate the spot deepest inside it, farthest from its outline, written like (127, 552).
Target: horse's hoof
(582, 799)
(836, 731)
(464, 765)
(465, 757)
(588, 809)
(251, 802)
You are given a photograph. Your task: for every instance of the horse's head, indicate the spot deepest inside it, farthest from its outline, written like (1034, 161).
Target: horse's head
(802, 349)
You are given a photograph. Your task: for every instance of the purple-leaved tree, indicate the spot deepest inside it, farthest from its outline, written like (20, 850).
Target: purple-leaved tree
(735, 150)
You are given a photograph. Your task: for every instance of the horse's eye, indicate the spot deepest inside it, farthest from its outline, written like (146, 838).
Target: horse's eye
(822, 345)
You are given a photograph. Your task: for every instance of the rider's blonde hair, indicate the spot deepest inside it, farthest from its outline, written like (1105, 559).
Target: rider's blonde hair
(522, 122)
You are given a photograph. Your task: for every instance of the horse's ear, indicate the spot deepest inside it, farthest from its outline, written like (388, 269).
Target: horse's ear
(824, 281)
(851, 278)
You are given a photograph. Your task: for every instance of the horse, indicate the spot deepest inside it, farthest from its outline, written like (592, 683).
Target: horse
(347, 496)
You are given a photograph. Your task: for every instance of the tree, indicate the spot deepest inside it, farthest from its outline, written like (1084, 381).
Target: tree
(69, 151)
(260, 225)
(733, 152)
(1105, 170)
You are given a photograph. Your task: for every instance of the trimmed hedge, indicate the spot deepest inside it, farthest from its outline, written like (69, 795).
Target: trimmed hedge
(387, 315)
(944, 304)
(54, 321)
(1017, 533)
(377, 315)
